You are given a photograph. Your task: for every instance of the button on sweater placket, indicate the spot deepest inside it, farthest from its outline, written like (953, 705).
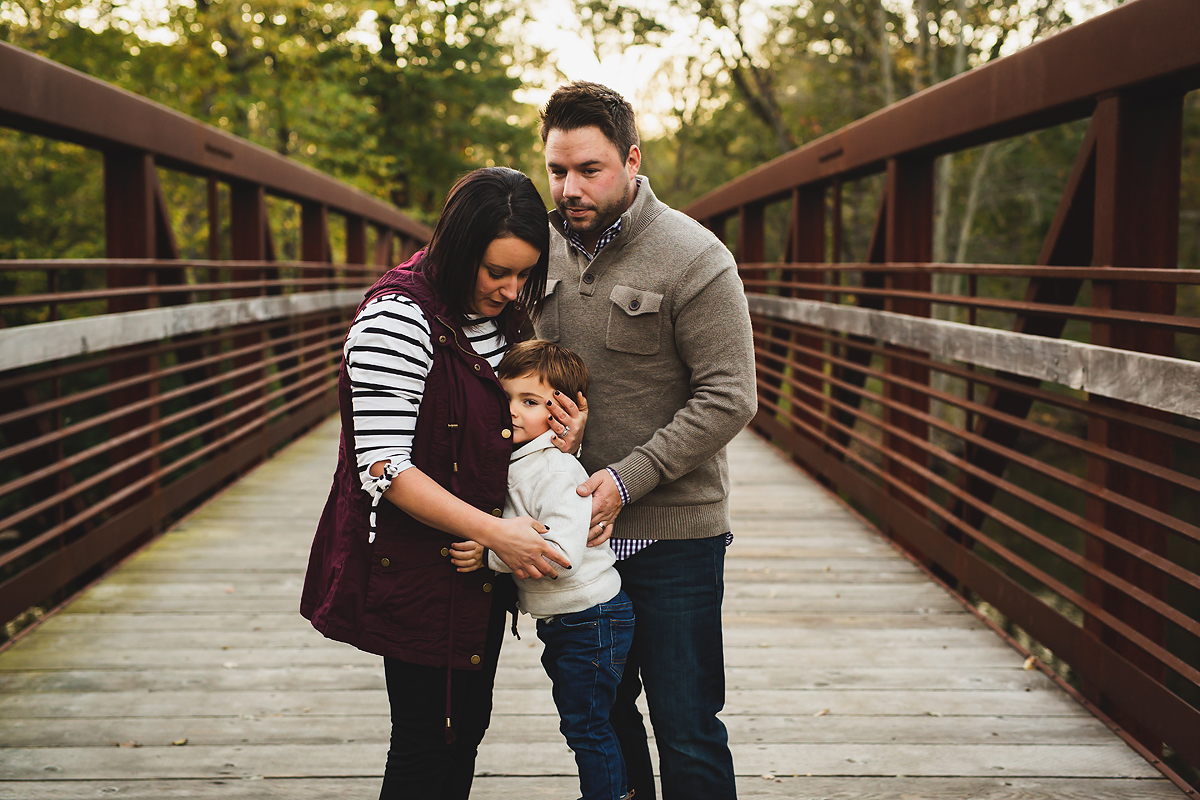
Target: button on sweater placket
(589, 278)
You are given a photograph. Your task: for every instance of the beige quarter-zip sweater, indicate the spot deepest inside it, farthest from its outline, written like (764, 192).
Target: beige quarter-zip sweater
(660, 318)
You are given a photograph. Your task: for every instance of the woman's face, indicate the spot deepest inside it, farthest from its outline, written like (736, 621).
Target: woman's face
(506, 265)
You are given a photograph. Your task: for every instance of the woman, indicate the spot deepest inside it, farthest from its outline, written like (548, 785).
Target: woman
(426, 440)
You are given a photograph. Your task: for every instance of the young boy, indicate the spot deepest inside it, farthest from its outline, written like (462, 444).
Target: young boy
(583, 617)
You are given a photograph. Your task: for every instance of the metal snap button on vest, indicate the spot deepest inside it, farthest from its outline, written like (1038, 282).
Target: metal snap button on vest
(445, 551)
(634, 305)
(506, 433)
(477, 368)
(442, 339)
(384, 562)
(496, 512)
(589, 278)
(487, 587)
(474, 659)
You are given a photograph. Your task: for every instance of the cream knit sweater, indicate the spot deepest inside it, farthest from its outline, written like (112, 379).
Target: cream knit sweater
(660, 318)
(541, 484)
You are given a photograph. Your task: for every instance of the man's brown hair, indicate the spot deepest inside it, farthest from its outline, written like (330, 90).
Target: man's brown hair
(582, 104)
(555, 365)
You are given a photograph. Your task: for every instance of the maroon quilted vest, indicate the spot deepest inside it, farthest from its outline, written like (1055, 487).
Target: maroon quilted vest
(400, 596)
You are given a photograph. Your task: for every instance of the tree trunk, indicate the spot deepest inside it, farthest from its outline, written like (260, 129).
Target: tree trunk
(885, 55)
(921, 46)
(941, 225)
(964, 231)
(945, 171)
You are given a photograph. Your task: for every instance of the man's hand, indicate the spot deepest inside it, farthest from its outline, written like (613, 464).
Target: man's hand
(568, 418)
(519, 544)
(467, 556)
(606, 504)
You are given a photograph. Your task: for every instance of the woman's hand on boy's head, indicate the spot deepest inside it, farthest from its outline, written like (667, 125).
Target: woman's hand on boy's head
(568, 418)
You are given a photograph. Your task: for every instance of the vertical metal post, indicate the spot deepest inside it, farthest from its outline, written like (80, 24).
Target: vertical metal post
(248, 242)
(750, 233)
(717, 226)
(214, 221)
(314, 247)
(808, 246)
(837, 234)
(909, 238)
(385, 249)
(356, 240)
(314, 236)
(129, 232)
(1138, 163)
(750, 250)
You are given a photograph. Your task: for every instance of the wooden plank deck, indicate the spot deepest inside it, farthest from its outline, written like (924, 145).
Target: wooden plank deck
(187, 672)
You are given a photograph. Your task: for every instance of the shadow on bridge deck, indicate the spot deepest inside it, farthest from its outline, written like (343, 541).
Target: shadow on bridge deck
(188, 672)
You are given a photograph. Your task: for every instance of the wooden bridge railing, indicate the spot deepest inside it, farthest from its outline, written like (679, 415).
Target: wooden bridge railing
(133, 386)
(1045, 471)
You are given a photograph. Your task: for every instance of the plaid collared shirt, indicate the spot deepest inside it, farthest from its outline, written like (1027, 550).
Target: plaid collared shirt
(609, 234)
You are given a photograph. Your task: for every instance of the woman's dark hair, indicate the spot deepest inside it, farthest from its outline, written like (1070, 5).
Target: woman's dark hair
(582, 104)
(485, 205)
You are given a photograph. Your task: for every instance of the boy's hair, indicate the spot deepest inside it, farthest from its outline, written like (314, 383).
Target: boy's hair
(582, 104)
(554, 364)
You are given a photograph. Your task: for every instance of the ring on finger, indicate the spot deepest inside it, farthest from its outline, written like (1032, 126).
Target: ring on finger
(601, 524)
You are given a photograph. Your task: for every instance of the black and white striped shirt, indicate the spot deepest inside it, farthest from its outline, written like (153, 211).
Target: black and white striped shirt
(389, 353)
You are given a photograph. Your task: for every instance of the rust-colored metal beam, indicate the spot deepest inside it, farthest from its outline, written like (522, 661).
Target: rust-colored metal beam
(908, 236)
(1138, 164)
(1052, 81)
(48, 99)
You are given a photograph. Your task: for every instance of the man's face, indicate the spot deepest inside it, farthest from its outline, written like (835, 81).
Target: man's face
(528, 403)
(590, 180)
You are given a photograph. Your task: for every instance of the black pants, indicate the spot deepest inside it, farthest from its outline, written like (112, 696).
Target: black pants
(420, 763)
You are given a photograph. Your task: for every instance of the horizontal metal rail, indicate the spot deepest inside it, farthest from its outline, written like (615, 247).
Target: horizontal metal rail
(1052, 479)
(50, 341)
(1168, 384)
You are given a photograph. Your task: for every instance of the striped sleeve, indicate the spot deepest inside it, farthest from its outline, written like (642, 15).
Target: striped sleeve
(389, 353)
(388, 357)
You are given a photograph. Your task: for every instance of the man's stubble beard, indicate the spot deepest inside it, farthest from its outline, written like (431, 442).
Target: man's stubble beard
(604, 218)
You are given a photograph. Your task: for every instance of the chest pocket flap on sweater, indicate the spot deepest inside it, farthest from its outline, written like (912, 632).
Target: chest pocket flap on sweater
(547, 321)
(634, 321)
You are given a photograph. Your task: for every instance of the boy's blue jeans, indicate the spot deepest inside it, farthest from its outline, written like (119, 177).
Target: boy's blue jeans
(585, 658)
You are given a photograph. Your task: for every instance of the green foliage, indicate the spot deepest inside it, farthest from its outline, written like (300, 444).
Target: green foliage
(397, 99)
(441, 94)
(50, 199)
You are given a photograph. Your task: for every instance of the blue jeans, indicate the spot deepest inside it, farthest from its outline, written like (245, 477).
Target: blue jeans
(676, 587)
(584, 657)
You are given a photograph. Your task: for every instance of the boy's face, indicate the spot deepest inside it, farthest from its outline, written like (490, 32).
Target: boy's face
(528, 398)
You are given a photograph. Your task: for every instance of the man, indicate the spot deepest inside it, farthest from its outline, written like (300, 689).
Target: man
(653, 303)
